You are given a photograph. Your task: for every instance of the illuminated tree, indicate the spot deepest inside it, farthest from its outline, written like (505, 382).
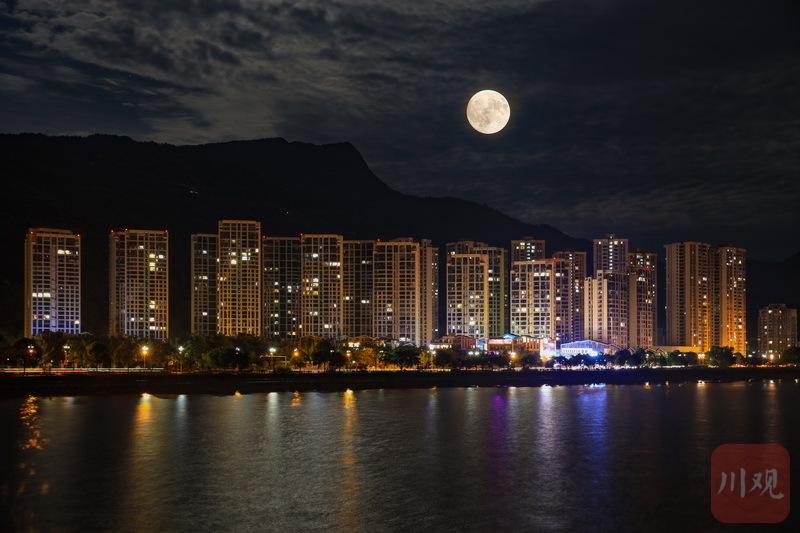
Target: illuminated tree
(367, 357)
(404, 357)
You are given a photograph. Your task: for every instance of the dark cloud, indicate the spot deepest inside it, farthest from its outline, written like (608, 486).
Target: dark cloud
(633, 116)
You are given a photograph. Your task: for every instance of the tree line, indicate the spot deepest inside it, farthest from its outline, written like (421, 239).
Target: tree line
(247, 352)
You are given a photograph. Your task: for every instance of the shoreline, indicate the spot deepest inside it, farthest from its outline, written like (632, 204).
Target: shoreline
(16, 386)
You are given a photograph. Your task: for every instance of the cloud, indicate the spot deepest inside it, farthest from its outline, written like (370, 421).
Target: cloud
(617, 105)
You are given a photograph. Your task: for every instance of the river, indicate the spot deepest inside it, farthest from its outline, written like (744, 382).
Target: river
(569, 458)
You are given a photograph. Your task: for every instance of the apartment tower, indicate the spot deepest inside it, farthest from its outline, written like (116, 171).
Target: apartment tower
(706, 296)
(606, 294)
(52, 281)
(239, 289)
(540, 292)
(527, 249)
(139, 284)
(398, 290)
(728, 311)
(777, 330)
(204, 304)
(495, 281)
(643, 303)
(321, 285)
(357, 282)
(281, 275)
(429, 284)
(576, 264)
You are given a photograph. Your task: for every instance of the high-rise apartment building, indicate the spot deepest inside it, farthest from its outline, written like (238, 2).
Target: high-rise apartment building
(728, 312)
(397, 290)
(139, 284)
(643, 304)
(688, 305)
(321, 285)
(606, 308)
(468, 310)
(611, 254)
(496, 281)
(239, 290)
(204, 304)
(527, 249)
(429, 284)
(52, 281)
(357, 279)
(576, 262)
(706, 296)
(281, 278)
(606, 294)
(777, 330)
(540, 293)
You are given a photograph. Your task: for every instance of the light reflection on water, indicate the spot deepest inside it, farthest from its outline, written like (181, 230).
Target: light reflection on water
(475, 459)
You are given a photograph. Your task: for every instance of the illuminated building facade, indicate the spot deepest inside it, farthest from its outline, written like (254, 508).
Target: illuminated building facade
(688, 290)
(429, 285)
(729, 291)
(321, 285)
(357, 280)
(467, 295)
(239, 290)
(706, 296)
(643, 305)
(539, 298)
(611, 254)
(606, 308)
(139, 284)
(495, 280)
(527, 249)
(576, 265)
(52, 281)
(204, 305)
(777, 330)
(281, 275)
(398, 291)
(606, 294)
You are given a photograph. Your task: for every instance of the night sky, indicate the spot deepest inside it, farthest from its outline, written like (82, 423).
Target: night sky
(657, 121)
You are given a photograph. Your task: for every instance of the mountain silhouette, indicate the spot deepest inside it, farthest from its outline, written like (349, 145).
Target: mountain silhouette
(98, 183)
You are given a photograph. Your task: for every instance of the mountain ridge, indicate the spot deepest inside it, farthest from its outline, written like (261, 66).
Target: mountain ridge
(97, 183)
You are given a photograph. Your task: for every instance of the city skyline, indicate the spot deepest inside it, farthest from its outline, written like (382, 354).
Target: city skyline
(396, 283)
(452, 265)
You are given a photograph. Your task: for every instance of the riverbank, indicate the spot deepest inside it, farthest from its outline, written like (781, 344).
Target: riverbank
(230, 383)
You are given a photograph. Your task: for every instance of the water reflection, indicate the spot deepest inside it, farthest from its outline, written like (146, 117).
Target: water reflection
(349, 504)
(31, 427)
(489, 459)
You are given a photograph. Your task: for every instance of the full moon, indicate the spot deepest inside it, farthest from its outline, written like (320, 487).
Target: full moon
(488, 111)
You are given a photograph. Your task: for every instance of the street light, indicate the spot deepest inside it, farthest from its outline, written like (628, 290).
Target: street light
(66, 355)
(180, 358)
(31, 351)
(145, 350)
(272, 358)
